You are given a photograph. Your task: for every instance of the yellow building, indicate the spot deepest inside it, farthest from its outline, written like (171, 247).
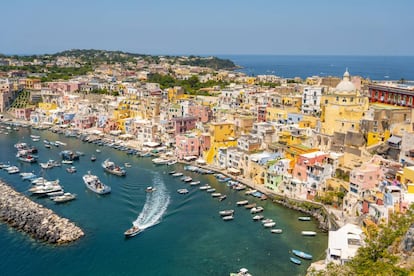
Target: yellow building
(222, 135)
(292, 153)
(275, 114)
(47, 107)
(407, 178)
(343, 109)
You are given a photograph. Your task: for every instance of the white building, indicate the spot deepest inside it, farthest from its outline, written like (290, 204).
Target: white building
(311, 99)
(344, 243)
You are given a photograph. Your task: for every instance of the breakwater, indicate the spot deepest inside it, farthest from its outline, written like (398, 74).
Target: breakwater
(41, 223)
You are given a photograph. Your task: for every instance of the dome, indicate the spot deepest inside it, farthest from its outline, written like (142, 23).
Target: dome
(345, 85)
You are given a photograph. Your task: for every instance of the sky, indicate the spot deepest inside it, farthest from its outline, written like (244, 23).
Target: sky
(209, 27)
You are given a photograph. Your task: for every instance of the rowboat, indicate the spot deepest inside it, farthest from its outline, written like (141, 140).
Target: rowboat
(295, 260)
(308, 233)
(302, 254)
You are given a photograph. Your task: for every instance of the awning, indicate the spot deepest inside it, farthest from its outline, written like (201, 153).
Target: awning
(394, 140)
(151, 144)
(189, 158)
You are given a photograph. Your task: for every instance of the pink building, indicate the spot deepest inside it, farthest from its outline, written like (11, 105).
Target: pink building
(187, 145)
(365, 178)
(63, 86)
(184, 124)
(309, 165)
(204, 114)
(84, 122)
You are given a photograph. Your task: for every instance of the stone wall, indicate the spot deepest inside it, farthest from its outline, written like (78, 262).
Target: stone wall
(41, 223)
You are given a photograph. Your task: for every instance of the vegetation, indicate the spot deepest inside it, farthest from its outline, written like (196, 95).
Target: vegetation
(191, 85)
(210, 62)
(380, 254)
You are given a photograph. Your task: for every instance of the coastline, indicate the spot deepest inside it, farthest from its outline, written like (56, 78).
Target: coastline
(41, 223)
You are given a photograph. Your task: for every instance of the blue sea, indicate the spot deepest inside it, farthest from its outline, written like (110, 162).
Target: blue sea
(372, 67)
(183, 234)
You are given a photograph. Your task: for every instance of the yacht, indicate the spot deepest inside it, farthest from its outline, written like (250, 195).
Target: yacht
(134, 230)
(63, 198)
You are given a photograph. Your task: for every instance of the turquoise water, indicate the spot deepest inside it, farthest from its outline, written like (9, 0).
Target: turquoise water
(184, 235)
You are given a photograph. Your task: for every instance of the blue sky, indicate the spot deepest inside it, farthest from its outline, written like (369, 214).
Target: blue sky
(291, 27)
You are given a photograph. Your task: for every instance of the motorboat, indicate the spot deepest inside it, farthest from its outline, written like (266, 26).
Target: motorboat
(93, 183)
(134, 230)
(226, 212)
(12, 170)
(257, 209)
(71, 169)
(230, 217)
(205, 187)
(127, 165)
(171, 172)
(64, 198)
(93, 158)
(302, 254)
(308, 233)
(177, 174)
(28, 176)
(187, 179)
(250, 191)
(250, 206)
(67, 161)
(258, 217)
(26, 157)
(171, 162)
(295, 260)
(216, 194)
(269, 224)
(182, 191)
(150, 189)
(211, 190)
(276, 231)
(193, 183)
(222, 197)
(112, 168)
(242, 202)
(304, 218)
(267, 221)
(160, 161)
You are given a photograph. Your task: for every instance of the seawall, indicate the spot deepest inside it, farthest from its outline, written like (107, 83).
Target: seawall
(42, 224)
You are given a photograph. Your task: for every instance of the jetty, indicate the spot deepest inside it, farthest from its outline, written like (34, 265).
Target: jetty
(41, 223)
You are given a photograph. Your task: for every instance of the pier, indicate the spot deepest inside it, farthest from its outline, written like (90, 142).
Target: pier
(35, 220)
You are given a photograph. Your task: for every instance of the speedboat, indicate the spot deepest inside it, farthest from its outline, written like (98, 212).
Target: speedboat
(134, 230)
(93, 183)
(150, 189)
(302, 254)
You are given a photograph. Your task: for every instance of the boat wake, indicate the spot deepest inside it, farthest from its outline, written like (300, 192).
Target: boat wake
(155, 205)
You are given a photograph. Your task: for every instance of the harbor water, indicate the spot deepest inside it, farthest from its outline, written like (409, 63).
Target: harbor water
(183, 233)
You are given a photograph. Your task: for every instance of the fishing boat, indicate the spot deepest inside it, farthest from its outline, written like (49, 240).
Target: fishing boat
(304, 218)
(302, 254)
(112, 168)
(134, 230)
(93, 183)
(295, 260)
(308, 233)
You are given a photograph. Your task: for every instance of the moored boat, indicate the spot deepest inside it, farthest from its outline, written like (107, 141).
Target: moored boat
(216, 194)
(304, 218)
(257, 217)
(182, 191)
(64, 198)
(302, 254)
(276, 231)
(257, 209)
(242, 202)
(205, 187)
(250, 206)
(176, 174)
(134, 230)
(230, 217)
(269, 224)
(226, 212)
(295, 260)
(222, 197)
(308, 233)
(71, 169)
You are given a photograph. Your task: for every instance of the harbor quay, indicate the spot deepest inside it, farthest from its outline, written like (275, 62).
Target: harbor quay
(41, 223)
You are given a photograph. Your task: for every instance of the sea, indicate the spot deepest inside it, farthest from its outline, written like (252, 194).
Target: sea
(183, 233)
(288, 66)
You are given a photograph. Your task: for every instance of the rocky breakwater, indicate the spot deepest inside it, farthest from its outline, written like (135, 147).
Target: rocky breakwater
(41, 223)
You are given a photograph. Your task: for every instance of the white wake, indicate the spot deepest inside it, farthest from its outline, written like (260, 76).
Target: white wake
(155, 205)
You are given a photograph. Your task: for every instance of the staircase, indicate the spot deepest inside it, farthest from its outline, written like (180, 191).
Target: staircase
(22, 101)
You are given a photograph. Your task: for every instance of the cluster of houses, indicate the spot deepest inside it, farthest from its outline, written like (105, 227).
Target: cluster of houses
(345, 140)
